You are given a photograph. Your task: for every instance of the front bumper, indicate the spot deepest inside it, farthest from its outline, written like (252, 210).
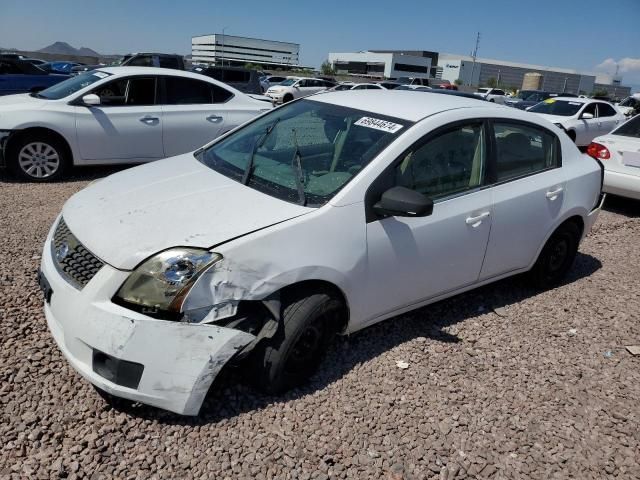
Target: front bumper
(622, 184)
(275, 97)
(179, 361)
(593, 215)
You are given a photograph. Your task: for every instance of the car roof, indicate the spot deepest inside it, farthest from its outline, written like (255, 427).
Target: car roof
(151, 71)
(577, 99)
(399, 104)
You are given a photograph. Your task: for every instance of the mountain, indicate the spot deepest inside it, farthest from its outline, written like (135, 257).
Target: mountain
(63, 48)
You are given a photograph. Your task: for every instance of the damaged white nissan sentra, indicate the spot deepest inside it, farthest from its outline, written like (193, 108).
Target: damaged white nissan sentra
(323, 216)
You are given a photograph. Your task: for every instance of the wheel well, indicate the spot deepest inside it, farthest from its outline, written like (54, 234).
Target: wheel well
(321, 286)
(577, 220)
(42, 131)
(287, 95)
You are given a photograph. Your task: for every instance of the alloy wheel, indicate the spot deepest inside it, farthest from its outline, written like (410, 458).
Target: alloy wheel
(39, 160)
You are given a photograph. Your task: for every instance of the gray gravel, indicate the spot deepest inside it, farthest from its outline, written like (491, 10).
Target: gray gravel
(503, 382)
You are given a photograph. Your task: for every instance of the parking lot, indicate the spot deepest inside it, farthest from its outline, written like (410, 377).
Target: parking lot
(502, 382)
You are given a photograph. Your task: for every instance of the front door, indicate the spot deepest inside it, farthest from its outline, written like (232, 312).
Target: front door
(587, 128)
(126, 126)
(413, 259)
(527, 198)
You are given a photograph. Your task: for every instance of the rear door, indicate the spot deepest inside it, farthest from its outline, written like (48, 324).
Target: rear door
(126, 126)
(528, 194)
(608, 118)
(194, 113)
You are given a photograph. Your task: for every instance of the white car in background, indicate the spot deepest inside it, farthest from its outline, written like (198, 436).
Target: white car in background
(324, 216)
(630, 105)
(297, 87)
(358, 86)
(117, 115)
(495, 95)
(582, 118)
(619, 152)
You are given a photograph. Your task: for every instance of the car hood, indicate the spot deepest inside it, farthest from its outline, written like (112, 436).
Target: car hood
(129, 216)
(20, 100)
(554, 118)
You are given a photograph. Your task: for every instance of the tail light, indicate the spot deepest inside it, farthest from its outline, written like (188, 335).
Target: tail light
(598, 151)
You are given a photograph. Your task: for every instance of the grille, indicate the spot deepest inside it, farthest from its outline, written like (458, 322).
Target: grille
(76, 264)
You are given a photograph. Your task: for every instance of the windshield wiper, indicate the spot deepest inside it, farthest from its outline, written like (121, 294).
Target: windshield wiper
(248, 170)
(296, 164)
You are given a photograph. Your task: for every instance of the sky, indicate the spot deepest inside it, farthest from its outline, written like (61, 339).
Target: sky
(587, 35)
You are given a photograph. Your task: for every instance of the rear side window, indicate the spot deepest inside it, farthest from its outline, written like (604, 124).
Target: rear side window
(188, 91)
(523, 150)
(630, 128)
(168, 62)
(605, 110)
(8, 68)
(142, 61)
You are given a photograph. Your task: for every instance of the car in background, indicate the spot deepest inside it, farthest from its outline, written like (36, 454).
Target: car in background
(150, 59)
(297, 87)
(322, 217)
(494, 95)
(390, 84)
(358, 86)
(630, 106)
(85, 68)
(34, 61)
(417, 88)
(442, 91)
(619, 152)
(18, 76)
(444, 84)
(528, 98)
(59, 67)
(425, 82)
(117, 115)
(582, 119)
(243, 79)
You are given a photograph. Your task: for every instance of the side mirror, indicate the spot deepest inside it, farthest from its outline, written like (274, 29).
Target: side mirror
(91, 99)
(403, 202)
(586, 116)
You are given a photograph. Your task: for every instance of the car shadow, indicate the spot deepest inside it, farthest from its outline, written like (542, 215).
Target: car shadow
(230, 394)
(77, 174)
(622, 206)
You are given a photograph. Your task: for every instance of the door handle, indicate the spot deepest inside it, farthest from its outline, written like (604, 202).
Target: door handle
(553, 194)
(476, 221)
(214, 118)
(149, 119)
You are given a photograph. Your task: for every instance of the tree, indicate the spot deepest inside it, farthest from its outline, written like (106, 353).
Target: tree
(252, 66)
(492, 82)
(327, 69)
(457, 82)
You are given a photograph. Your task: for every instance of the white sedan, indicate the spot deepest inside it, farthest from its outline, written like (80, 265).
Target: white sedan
(582, 118)
(324, 216)
(297, 87)
(493, 95)
(117, 115)
(619, 152)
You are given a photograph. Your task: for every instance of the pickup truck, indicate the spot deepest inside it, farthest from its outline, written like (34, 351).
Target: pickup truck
(18, 76)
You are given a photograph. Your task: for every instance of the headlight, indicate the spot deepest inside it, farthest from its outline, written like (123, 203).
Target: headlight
(160, 284)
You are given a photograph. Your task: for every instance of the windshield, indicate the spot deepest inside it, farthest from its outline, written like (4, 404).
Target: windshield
(482, 90)
(288, 82)
(552, 106)
(629, 129)
(72, 85)
(524, 94)
(331, 142)
(629, 102)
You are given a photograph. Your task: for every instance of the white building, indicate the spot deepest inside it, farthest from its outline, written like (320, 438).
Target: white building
(511, 74)
(380, 64)
(215, 48)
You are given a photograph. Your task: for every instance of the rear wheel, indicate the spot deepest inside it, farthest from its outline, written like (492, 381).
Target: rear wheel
(38, 157)
(293, 354)
(556, 257)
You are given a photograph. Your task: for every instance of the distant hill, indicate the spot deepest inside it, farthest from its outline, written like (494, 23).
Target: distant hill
(63, 48)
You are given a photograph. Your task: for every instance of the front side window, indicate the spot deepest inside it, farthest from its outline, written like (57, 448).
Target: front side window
(591, 108)
(303, 152)
(561, 108)
(288, 82)
(450, 163)
(8, 68)
(523, 150)
(630, 128)
(128, 91)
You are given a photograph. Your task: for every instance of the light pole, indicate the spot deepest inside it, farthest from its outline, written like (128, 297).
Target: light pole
(222, 54)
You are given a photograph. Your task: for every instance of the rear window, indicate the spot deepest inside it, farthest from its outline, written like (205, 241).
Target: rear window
(630, 128)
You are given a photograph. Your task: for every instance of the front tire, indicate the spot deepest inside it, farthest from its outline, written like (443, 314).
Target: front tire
(292, 355)
(557, 257)
(38, 158)
(287, 98)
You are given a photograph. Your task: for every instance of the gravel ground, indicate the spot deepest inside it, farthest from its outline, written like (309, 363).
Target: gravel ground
(503, 382)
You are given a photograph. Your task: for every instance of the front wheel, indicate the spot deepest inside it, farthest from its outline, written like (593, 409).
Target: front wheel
(293, 354)
(287, 98)
(38, 158)
(556, 257)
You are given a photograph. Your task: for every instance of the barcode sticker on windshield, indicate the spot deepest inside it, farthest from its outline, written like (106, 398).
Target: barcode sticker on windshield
(378, 124)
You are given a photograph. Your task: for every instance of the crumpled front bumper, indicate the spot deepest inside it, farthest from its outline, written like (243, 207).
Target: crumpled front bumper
(172, 364)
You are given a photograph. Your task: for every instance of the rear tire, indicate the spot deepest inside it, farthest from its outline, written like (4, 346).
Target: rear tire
(287, 98)
(292, 355)
(557, 257)
(38, 157)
